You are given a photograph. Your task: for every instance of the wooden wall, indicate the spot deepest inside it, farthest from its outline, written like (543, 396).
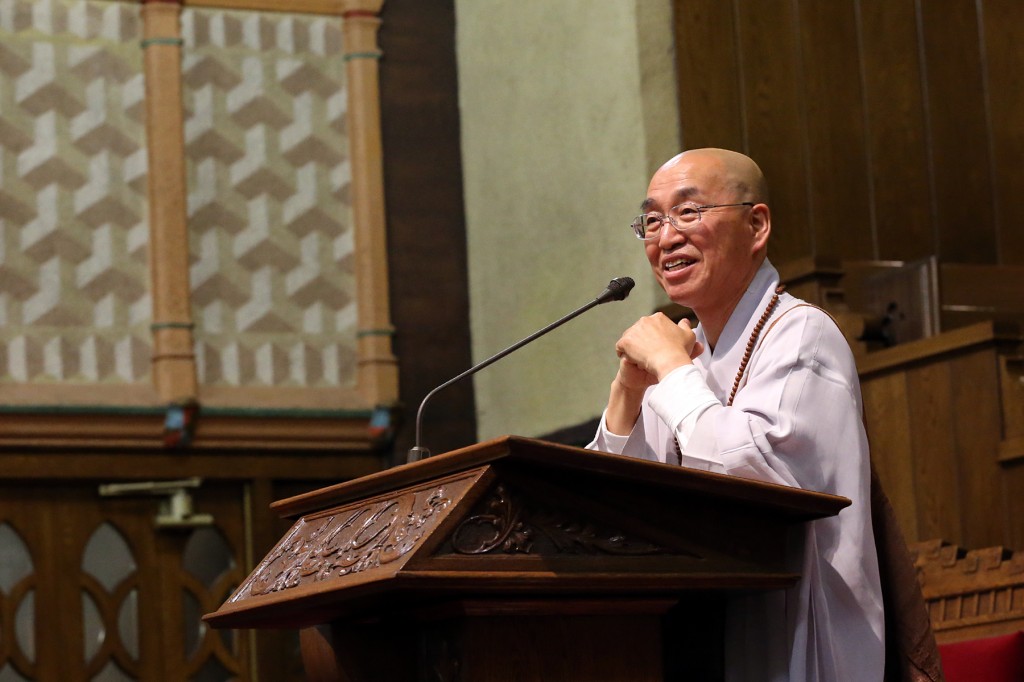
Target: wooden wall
(888, 129)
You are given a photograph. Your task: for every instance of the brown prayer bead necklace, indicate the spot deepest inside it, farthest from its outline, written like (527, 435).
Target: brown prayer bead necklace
(751, 342)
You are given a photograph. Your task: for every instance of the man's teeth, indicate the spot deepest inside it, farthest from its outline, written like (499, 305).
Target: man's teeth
(678, 263)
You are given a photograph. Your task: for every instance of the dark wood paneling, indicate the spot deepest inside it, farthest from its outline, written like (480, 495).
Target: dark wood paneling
(887, 130)
(1012, 489)
(836, 143)
(942, 415)
(897, 146)
(958, 133)
(775, 118)
(1004, 64)
(939, 510)
(426, 225)
(710, 110)
(976, 424)
(886, 414)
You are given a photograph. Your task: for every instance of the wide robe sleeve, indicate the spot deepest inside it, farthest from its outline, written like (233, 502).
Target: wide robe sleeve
(797, 408)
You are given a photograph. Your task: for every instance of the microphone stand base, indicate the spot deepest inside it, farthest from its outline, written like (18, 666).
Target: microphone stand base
(416, 454)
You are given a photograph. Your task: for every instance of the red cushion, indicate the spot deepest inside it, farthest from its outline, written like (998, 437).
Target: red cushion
(990, 659)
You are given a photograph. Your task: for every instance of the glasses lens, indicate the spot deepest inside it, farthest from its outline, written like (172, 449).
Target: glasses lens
(646, 225)
(686, 214)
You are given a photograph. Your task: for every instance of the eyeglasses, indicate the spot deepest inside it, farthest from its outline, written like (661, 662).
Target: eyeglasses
(683, 217)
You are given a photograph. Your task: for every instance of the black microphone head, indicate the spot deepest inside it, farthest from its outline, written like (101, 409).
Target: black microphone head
(617, 289)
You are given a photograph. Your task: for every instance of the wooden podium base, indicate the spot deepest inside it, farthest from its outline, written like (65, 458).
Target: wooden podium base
(495, 642)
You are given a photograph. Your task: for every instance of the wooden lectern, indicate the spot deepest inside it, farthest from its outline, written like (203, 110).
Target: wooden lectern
(518, 559)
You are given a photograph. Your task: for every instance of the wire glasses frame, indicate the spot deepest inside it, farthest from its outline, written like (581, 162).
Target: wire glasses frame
(682, 217)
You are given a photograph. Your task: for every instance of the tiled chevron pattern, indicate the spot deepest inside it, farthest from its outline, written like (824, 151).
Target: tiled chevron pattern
(273, 290)
(74, 300)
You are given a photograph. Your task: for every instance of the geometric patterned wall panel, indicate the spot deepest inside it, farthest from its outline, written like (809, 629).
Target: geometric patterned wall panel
(268, 172)
(74, 280)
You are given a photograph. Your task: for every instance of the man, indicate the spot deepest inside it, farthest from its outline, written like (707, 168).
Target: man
(764, 388)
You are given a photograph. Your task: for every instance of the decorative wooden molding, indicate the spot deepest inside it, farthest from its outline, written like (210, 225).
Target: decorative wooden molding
(148, 427)
(1011, 450)
(956, 340)
(174, 364)
(1011, 388)
(378, 368)
(507, 523)
(818, 269)
(972, 593)
(329, 7)
(332, 7)
(104, 465)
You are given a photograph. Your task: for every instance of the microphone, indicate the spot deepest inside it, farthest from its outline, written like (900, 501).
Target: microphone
(616, 290)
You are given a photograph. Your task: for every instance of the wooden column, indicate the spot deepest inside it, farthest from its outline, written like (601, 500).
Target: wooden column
(174, 367)
(378, 368)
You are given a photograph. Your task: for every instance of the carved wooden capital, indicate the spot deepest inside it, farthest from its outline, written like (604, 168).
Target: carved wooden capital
(160, 19)
(356, 7)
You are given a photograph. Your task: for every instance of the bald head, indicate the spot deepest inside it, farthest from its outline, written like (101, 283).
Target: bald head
(735, 173)
(708, 265)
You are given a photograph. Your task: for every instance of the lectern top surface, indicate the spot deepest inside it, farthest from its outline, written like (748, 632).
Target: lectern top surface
(536, 454)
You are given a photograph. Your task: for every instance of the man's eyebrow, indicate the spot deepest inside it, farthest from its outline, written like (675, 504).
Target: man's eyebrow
(684, 194)
(679, 196)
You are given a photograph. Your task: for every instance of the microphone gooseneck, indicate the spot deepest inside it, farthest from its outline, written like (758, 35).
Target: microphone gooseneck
(617, 290)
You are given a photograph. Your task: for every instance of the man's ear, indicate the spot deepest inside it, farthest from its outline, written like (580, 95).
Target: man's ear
(761, 225)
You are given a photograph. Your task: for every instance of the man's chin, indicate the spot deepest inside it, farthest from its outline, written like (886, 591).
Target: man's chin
(680, 295)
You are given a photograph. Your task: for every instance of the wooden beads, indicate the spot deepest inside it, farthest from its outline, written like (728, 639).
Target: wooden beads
(753, 340)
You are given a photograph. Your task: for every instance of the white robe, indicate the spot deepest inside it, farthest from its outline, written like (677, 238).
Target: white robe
(796, 420)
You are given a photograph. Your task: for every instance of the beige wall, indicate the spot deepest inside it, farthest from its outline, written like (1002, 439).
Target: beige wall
(566, 108)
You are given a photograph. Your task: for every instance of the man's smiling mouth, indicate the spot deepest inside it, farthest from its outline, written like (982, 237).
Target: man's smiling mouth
(678, 264)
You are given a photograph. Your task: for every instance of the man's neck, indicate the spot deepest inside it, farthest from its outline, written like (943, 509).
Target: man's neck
(713, 325)
(713, 322)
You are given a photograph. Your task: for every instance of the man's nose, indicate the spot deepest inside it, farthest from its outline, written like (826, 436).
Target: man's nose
(669, 237)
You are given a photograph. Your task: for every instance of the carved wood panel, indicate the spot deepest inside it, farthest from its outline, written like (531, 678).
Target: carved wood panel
(368, 537)
(103, 595)
(507, 522)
